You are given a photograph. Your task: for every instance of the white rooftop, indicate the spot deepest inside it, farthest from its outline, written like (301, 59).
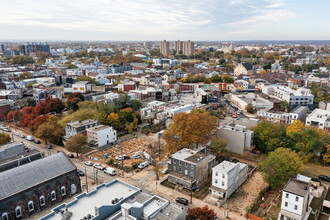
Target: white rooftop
(103, 196)
(225, 166)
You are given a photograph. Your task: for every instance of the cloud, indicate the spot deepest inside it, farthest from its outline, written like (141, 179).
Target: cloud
(148, 19)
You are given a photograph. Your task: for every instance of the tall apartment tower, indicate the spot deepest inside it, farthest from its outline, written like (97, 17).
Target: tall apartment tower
(178, 46)
(188, 48)
(2, 48)
(165, 48)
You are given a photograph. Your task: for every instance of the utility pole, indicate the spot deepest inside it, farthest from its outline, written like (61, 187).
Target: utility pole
(191, 189)
(122, 161)
(97, 178)
(86, 179)
(159, 135)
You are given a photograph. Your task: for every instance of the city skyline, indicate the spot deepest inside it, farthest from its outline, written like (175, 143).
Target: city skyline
(209, 20)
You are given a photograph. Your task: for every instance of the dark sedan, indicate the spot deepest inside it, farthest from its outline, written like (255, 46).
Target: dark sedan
(182, 201)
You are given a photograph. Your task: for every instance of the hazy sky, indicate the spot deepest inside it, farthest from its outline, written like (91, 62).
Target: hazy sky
(165, 19)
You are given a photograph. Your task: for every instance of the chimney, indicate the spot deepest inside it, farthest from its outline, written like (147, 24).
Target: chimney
(83, 72)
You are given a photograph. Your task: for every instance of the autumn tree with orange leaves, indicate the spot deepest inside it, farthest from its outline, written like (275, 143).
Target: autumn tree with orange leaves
(189, 130)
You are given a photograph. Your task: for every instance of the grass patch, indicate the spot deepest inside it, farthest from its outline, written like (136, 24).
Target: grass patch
(203, 189)
(86, 149)
(314, 170)
(167, 184)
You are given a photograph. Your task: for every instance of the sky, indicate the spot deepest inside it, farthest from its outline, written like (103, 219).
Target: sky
(143, 20)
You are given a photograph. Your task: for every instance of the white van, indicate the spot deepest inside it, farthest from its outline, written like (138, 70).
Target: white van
(143, 165)
(110, 171)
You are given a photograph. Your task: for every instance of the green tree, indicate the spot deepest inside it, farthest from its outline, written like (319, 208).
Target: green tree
(25, 75)
(269, 136)
(30, 102)
(250, 108)
(4, 138)
(22, 60)
(218, 146)
(227, 79)
(76, 143)
(279, 166)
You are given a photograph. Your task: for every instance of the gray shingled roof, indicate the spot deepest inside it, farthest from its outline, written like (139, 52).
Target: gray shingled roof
(24, 177)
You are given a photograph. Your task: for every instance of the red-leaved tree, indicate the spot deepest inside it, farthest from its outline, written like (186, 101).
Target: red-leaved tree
(199, 213)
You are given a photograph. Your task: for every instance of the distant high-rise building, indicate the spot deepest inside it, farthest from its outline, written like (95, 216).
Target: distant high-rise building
(188, 48)
(27, 49)
(178, 46)
(2, 48)
(165, 48)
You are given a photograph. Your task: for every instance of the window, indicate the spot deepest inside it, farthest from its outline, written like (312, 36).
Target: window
(42, 200)
(180, 170)
(297, 198)
(223, 183)
(192, 167)
(295, 207)
(174, 168)
(30, 206)
(223, 175)
(215, 181)
(53, 195)
(216, 173)
(4, 216)
(179, 162)
(186, 164)
(286, 204)
(18, 211)
(174, 162)
(287, 195)
(63, 191)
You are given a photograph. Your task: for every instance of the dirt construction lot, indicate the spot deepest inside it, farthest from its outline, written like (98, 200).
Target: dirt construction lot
(247, 193)
(133, 146)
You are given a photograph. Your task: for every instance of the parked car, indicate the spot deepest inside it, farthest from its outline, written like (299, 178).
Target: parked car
(29, 138)
(324, 178)
(143, 165)
(182, 201)
(88, 163)
(80, 172)
(99, 166)
(70, 155)
(165, 171)
(49, 146)
(315, 179)
(36, 141)
(121, 157)
(136, 156)
(6, 129)
(110, 171)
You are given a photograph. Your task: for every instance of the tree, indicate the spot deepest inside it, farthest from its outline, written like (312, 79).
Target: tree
(26, 119)
(189, 129)
(279, 166)
(51, 131)
(14, 116)
(73, 103)
(113, 120)
(42, 108)
(4, 138)
(56, 105)
(199, 213)
(36, 122)
(22, 60)
(25, 75)
(269, 136)
(250, 108)
(30, 102)
(227, 79)
(76, 143)
(295, 127)
(28, 110)
(326, 156)
(71, 66)
(218, 146)
(76, 95)
(84, 114)
(87, 78)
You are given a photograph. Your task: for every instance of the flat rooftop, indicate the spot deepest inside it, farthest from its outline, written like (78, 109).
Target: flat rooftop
(98, 127)
(81, 123)
(296, 187)
(85, 204)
